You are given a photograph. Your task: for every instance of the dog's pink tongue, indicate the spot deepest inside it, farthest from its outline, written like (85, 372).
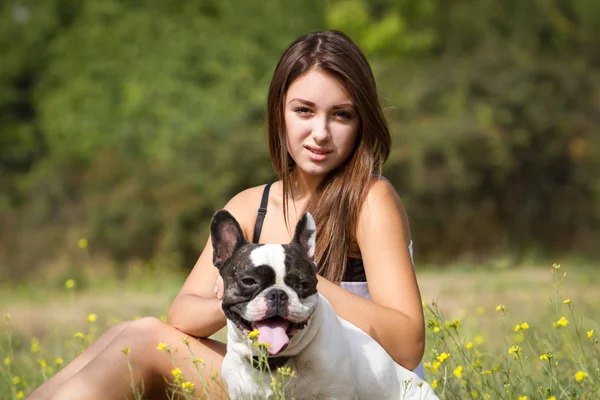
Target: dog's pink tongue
(273, 333)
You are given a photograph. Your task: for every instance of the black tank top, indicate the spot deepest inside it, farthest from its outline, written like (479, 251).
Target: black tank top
(355, 269)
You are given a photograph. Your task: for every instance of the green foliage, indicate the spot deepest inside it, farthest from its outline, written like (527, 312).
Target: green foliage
(132, 123)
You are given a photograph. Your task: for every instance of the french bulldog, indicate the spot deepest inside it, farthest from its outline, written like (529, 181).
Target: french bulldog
(272, 288)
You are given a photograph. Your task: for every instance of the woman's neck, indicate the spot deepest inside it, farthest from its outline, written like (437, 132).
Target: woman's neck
(303, 185)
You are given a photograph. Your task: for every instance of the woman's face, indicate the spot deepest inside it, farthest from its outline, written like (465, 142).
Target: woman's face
(321, 122)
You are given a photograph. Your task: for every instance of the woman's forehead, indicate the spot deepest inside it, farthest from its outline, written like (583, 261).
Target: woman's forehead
(319, 88)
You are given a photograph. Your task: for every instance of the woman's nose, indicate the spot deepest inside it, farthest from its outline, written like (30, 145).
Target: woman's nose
(320, 130)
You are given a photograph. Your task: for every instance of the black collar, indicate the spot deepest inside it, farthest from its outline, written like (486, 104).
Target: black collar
(272, 363)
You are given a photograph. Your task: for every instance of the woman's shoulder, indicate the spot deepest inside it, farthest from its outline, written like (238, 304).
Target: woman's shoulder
(247, 199)
(381, 188)
(382, 204)
(244, 206)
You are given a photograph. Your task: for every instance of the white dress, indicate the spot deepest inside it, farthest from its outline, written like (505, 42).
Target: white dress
(362, 289)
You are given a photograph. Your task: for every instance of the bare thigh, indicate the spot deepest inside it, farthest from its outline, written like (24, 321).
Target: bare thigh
(112, 374)
(55, 382)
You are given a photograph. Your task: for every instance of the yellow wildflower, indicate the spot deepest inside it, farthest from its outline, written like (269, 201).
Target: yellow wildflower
(469, 345)
(70, 283)
(544, 357)
(443, 357)
(161, 346)
(567, 301)
(521, 327)
(436, 329)
(252, 335)
(435, 365)
(474, 394)
(78, 335)
(476, 364)
(20, 394)
(580, 375)
(561, 323)
(59, 361)
(6, 361)
(516, 350)
(15, 380)
(92, 318)
(177, 374)
(501, 307)
(458, 371)
(187, 387)
(185, 340)
(42, 363)
(35, 345)
(434, 384)
(556, 266)
(197, 361)
(551, 398)
(125, 350)
(454, 324)
(523, 397)
(82, 243)
(590, 334)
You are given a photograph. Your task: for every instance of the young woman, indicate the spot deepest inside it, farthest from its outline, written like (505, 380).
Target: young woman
(328, 140)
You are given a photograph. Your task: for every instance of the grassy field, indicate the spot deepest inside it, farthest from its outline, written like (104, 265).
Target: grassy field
(514, 333)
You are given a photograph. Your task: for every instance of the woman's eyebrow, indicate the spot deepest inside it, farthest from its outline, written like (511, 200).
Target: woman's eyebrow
(308, 103)
(343, 105)
(311, 104)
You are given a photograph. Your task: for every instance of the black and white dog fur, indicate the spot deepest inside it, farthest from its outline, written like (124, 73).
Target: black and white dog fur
(273, 288)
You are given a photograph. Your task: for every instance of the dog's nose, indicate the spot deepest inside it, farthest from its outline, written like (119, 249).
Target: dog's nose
(278, 297)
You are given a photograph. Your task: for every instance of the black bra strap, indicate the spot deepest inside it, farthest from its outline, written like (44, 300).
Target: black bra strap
(262, 211)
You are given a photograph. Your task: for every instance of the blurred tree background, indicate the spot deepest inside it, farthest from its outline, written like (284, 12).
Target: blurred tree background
(130, 123)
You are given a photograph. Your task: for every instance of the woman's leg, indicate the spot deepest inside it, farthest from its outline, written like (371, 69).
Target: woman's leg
(51, 385)
(107, 375)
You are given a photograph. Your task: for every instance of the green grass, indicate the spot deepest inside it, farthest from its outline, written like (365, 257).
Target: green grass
(473, 349)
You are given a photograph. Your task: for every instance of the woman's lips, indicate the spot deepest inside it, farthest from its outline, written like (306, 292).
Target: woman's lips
(316, 154)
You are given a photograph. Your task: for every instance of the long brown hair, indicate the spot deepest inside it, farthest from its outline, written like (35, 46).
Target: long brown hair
(337, 203)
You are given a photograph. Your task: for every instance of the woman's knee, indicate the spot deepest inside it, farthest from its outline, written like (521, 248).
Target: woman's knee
(146, 331)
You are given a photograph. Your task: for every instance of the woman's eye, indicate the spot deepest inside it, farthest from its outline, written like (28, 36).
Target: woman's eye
(301, 110)
(343, 115)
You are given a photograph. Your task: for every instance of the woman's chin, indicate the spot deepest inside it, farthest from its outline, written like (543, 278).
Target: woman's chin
(316, 168)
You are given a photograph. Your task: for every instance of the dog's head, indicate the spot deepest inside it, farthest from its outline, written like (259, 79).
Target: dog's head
(270, 287)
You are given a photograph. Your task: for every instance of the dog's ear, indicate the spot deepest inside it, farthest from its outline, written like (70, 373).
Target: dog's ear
(226, 235)
(306, 236)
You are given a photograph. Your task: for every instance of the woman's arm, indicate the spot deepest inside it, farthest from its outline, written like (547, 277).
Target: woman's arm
(196, 309)
(394, 317)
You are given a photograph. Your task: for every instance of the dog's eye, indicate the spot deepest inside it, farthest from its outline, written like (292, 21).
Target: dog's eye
(249, 282)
